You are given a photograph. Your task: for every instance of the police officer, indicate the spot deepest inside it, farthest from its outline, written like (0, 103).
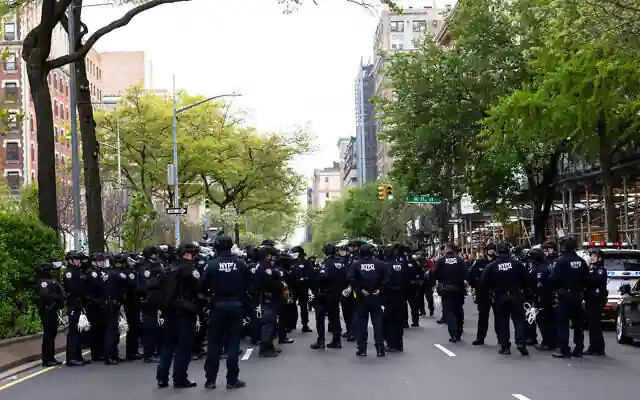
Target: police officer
(226, 281)
(132, 309)
(368, 277)
(270, 289)
(508, 278)
(550, 250)
(482, 295)
(329, 283)
(347, 301)
(544, 300)
(595, 298)
(569, 276)
(50, 302)
(95, 312)
(451, 273)
(180, 316)
(75, 285)
(394, 306)
(150, 276)
(113, 291)
(300, 277)
(413, 294)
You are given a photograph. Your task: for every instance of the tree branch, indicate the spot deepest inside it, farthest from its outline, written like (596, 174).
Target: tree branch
(119, 23)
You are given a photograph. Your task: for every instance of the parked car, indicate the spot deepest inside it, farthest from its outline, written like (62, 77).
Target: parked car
(628, 314)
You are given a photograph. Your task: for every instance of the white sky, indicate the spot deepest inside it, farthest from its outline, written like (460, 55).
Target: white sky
(292, 70)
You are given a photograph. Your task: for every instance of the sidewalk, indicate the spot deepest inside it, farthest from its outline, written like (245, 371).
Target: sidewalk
(18, 351)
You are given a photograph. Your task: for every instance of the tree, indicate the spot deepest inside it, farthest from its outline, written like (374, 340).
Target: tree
(35, 52)
(583, 94)
(442, 96)
(274, 225)
(359, 213)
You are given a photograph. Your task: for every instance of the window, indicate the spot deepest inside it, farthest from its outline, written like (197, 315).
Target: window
(62, 160)
(419, 26)
(397, 26)
(435, 23)
(397, 46)
(10, 63)
(447, 7)
(12, 152)
(10, 31)
(326, 195)
(13, 120)
(33, 154)
(10, 91)
(33, 177)
(13, 180)
(55, 108)
(31, 123)
(326, 179)
(56, 134)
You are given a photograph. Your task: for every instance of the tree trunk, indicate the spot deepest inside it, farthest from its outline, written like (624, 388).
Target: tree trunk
(606, 162)
(92, 183)
(41, 97)
(542, 196)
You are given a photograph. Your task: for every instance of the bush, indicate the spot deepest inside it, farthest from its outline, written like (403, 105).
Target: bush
(23, 242)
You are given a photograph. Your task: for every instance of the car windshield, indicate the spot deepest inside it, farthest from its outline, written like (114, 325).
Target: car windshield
(613, 285)
(622, 262)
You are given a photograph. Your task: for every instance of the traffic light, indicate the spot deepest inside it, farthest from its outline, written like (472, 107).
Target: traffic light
(207, 203)
(389, 192)
(382, 192)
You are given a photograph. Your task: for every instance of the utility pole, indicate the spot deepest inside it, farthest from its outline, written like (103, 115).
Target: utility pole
(75, 154)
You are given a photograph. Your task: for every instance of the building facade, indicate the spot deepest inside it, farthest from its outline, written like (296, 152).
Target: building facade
(419, 21)
(19, 142)
(327, 185)
(365, 142)
(126, 69)
(348, 164)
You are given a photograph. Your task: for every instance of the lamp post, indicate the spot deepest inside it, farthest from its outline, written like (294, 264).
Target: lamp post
(176, 111)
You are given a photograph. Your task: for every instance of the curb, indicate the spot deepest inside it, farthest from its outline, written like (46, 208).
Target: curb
(23, 361)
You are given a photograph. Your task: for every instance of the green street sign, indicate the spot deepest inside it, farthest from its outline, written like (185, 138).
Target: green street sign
(423, 199)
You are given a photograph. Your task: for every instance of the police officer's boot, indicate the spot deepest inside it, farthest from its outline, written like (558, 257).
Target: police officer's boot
(335, 343)
(319, 344)
(306, 329)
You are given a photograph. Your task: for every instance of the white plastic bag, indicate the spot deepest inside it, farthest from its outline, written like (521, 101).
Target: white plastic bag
(123, 326)
(83, 323)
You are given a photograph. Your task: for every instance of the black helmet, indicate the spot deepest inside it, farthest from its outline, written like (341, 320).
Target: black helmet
(149, 252)
(329, 249)
(503, 248)
(187, 248)
(223, 243)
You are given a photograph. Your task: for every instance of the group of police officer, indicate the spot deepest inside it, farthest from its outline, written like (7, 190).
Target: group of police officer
(559, 291)
(173, 300)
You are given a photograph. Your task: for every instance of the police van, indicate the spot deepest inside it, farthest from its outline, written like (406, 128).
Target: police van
(623, 268)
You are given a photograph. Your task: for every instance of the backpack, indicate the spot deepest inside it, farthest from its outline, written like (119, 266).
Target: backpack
(162, 289)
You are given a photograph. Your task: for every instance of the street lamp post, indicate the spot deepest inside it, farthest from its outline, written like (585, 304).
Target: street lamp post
(176, 111)
(75, 154)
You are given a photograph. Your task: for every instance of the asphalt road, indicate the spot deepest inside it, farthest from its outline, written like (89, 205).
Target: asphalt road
(430, 367)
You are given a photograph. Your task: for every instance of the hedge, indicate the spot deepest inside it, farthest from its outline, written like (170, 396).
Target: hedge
(23, 242)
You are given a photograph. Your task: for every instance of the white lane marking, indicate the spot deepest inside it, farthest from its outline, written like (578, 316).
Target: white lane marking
(446, 351)
(247, 354)
(520, 396)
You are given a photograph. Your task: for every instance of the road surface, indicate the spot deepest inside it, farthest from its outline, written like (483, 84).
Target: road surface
(430, 367)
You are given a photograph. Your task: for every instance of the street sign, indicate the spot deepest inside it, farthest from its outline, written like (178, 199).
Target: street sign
(423, 199)
(176, 211)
